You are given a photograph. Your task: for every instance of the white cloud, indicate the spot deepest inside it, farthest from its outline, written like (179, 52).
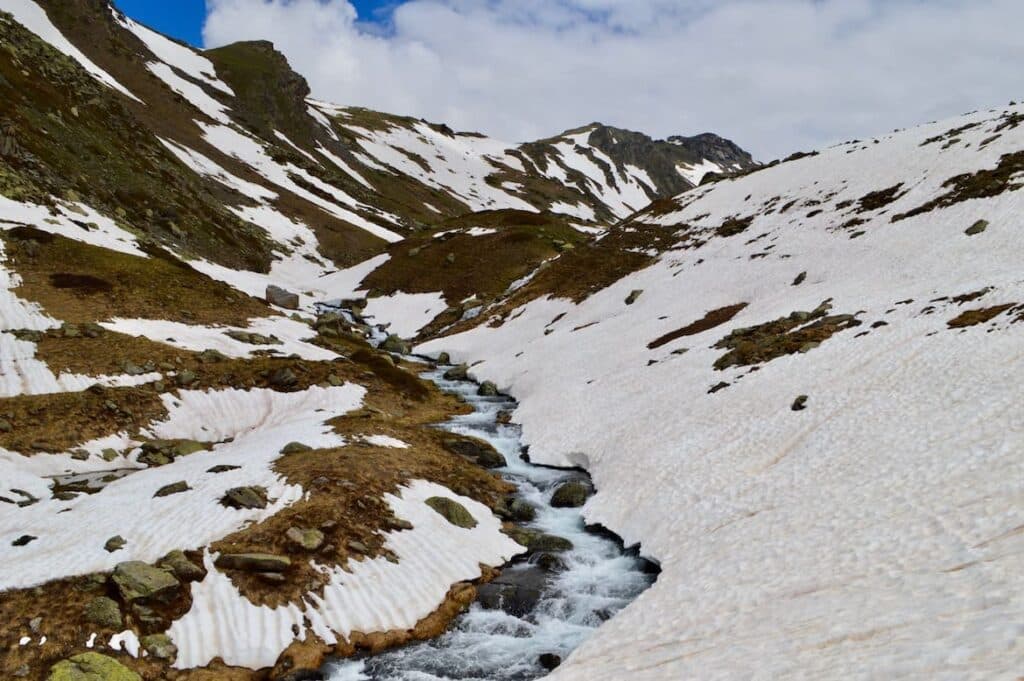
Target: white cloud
(774, 75)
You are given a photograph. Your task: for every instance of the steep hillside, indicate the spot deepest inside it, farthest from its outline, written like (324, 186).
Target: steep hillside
(795, 384)
(801, 401)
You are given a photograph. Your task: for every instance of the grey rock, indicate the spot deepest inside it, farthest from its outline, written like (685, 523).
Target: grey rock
(452, 511)
(115, 543)
(633, 296)
(173, 488)
(160, 647)
(136, 580)
(977, 228)
(182, 568)
(253, 562)
(280, 297)
(245, 498)
(306, 538)
(571, 495)
(104, 612)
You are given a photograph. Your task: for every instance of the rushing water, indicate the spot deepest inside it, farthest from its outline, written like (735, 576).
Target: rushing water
(598, 579)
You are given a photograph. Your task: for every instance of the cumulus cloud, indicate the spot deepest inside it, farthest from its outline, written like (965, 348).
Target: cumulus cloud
(774, 75)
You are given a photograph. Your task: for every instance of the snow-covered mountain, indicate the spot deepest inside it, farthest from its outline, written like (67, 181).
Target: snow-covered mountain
(794, 385)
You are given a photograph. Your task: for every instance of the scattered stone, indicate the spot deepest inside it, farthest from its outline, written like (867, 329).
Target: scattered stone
(633, 296)
(571, 495)
(977, 228)
(245, 498)
(23, 540)
(160, 646)
(457, 373)
(104, 612)
(173, 488)
(549, 661)
(295, 448)
(306, 538)
(5, 426)
(444, 358)
(253, 562)
(357, 547)
(109, 454)
(800, 278)
(222, 468)
(185, 378)
(91, 667)
(35, 624)
(395, 344)
(185, 570)
(115, 543)
(280, 297)
(477, 450)
(452, 511)
(487, 389)
(283, 379)
(800, 403)
(137, 580)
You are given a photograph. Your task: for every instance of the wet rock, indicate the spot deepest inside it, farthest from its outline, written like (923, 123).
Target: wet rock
(395, 344)
(444, 358)
(516, 591)
(549, 562)
(487, 389)
(173, 488)
(522, 511)
(136, 580)
(115, 543)
(91, 667)
(800, 403)
(275, 295)
(452, 511)
(283, 379)
(633, 296)
(181, 567)
(104, 612)
(253, 562)
(571, 495)
(457, 373)
(549, 543)
(305, 538)
(504, 417)
(160, 647)
(476, 450)
(295, 448)
(549, 661)
(977, 228)
(245, 498)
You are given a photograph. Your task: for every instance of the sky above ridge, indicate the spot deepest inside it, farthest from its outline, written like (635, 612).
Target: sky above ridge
(776, 76)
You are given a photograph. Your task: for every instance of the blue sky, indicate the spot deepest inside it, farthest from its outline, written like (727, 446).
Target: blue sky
(183, 19)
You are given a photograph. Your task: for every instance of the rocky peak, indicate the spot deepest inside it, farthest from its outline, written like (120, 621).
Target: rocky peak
(270, 95)
(664, 159)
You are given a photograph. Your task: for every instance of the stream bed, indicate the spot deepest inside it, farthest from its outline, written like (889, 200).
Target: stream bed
(527, 621)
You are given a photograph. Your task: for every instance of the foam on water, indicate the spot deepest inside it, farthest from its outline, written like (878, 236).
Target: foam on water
(491, 645)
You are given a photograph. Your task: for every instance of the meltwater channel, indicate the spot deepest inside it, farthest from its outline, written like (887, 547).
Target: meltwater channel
(554, 610)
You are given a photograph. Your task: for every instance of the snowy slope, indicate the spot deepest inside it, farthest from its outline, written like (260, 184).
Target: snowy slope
(876, 533)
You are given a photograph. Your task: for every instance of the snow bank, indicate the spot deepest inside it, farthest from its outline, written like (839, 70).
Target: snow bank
(71, 534)
(874, 534)
(406, 313)
(373, 595)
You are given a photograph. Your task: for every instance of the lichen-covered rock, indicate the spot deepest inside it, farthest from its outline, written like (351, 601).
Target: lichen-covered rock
(160, 646)
(305, 538)
(137, 580)
(104, 612)
(570, 495)
(487, 389)
(245, 498)
(91, 667)
(184, 569)
(452, 511)
(477, 450)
